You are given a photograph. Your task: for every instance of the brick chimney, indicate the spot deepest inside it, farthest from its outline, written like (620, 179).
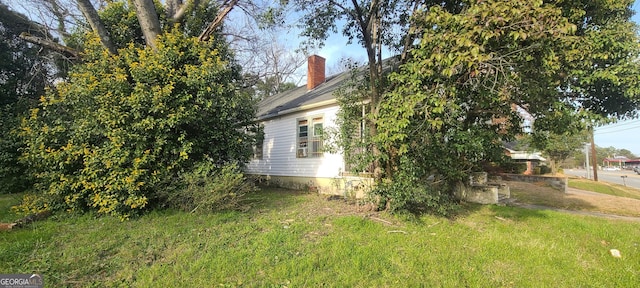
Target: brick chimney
(315, 72)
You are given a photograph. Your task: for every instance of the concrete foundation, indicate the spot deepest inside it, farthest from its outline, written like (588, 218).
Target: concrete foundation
(479, 190)
(347, 186)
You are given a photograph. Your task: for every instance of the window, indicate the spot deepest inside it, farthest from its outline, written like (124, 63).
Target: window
(309, 137)
(257, 148)
(258, 133)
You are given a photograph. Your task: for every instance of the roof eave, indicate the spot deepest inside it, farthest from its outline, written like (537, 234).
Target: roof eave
(298, 109)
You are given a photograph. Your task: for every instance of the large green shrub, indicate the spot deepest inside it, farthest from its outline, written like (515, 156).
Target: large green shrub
(123, 126)
(210, 187)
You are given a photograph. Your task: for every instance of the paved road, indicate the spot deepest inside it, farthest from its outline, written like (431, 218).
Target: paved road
(632, 179)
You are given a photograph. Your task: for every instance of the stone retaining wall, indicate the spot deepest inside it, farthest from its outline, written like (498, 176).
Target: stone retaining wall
(488, 193)
(560, 183)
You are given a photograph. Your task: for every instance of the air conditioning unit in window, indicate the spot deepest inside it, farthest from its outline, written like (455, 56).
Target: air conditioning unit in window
(302, 152)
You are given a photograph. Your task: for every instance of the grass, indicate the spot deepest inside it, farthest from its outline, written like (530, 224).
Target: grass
(6, 201)
(545, 195)
(302, 240)
(604, 188)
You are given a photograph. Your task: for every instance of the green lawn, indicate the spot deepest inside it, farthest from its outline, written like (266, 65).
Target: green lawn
(604, 188)
(6, 201)
(302, 240)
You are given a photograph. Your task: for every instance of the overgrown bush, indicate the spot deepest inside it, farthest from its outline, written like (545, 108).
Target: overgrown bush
(209, 187)
(514, 167)
(123, 127)
(544, 169)
(413, 192)
(12, 174)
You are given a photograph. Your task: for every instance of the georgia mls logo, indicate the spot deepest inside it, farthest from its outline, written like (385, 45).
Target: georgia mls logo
(21, 281)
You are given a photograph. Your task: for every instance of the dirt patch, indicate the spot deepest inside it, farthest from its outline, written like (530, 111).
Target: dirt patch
(574, 199)
(326, 205)
(313, 205)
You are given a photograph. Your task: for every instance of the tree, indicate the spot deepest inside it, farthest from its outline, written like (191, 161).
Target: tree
(373, 24)
(626, 153)
(271, 65)
(151, 20)
(130, 130)
(458, 90)
(126, 126)
(261, 54)
(24, 75)
(559, 147)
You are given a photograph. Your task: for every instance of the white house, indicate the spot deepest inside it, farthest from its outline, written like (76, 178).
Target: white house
(292, 154)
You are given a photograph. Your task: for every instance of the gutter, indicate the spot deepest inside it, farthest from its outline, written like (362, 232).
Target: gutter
(298, 109)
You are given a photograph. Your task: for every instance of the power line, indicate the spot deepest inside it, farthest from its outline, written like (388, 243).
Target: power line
(615, 131)
(615, 126)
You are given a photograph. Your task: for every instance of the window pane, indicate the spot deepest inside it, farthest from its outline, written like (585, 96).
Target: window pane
(317, 129)
(303, 131)
(257, 150)
(316, 148)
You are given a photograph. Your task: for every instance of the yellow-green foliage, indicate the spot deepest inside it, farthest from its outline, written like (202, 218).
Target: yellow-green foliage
(209, 187)
(125, 125)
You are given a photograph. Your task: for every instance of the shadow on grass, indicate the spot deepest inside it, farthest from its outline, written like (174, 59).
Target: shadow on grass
(529, 200)
(272, 198)
(540, 197)
(500, 211)
(279, 199)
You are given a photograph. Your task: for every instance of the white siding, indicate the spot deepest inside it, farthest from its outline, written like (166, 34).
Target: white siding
(279, 149)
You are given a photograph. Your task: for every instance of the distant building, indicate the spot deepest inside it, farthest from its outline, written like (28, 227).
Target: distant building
(620, 162)
(531, 159)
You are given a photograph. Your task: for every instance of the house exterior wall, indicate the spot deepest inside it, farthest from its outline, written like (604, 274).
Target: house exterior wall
(279, 164)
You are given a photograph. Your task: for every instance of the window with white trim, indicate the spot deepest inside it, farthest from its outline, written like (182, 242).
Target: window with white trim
(309, 137)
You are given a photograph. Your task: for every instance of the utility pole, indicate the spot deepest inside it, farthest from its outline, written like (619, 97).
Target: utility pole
(594, 159)
(586, 159)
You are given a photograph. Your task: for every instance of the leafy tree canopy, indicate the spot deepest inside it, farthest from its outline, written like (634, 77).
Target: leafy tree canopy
(478, 65)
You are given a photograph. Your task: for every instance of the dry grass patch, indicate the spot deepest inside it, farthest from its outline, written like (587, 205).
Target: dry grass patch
(543, 194)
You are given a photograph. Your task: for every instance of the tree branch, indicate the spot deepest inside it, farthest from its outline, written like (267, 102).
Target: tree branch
(69, 52)
(226, 8)
(184, 8)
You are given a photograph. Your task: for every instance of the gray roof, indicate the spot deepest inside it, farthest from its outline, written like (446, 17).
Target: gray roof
(300, 99)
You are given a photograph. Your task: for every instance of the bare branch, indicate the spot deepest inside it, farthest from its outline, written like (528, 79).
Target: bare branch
(227, 6)
(171, 6)
(183, 9)
(51, 45)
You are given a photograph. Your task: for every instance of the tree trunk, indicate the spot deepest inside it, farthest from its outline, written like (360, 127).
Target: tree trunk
(96, 24)
(371, 39)
(149, 21)
(225, 8)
